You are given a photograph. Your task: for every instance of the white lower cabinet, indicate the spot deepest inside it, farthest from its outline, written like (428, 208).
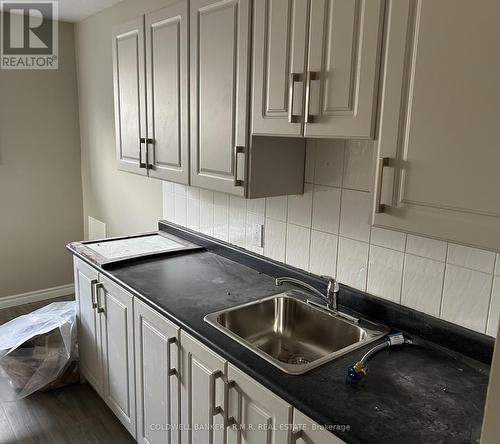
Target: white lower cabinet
(157, 377)
(203, 392)
(306, 431)
(168, 388)
(115, 306)
(89, 325)
(260, 417)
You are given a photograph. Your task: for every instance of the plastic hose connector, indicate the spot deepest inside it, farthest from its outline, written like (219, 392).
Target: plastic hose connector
(356, 373)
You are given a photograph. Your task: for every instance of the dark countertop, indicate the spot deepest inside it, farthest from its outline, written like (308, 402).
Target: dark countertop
(413, 394)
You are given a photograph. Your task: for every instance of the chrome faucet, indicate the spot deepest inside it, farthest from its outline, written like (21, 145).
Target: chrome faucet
(331, 297)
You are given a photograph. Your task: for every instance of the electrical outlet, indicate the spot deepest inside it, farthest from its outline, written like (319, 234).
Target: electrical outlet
(257, 235)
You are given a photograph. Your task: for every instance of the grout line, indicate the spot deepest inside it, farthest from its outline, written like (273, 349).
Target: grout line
(491, 294)
(442, 284)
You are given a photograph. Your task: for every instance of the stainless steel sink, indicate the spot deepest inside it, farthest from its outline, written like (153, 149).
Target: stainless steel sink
(291, 334)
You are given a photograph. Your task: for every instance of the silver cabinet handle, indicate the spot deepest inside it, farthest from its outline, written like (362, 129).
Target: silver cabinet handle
(292, 78)
(142, 141)
(296, 435)
(148, 164)
(171, 371)
(379, 206)
(237, 150)
(311, 75)
(214, 409)
(93, 298)
(97, 287)
(229, 421)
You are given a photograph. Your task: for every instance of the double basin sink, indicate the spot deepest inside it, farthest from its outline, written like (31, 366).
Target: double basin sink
(291, 334)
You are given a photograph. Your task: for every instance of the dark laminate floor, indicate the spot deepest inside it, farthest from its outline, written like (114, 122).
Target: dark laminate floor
(74, 414)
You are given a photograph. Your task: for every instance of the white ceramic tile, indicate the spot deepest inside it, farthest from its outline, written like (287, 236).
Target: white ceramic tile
(326, 209)
(494, 313)
(352, 263)
(323, 254)
(426, 247)
(385, 273)
(300, 208)
(275, 239)
(354, 216)
(358, 165)
(276, 207)
(207, 212)
(169, 206)
(423, 284)
(479, 260)
(168, 187)
(221, 216)
(297, 246)
(252, 220)
(193, 193)
(388, 238)
(237, 220)
(329, 162)
(180, 209)
(466, 297)
(497, 267)
(310, 160)
(180, 189)
(193, 214)
(256, 206)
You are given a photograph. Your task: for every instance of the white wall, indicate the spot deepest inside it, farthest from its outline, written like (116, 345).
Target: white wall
(126, 203)
(327, 231)
(40, 187)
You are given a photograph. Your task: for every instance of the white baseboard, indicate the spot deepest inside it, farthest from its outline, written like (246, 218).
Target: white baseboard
(38, 295)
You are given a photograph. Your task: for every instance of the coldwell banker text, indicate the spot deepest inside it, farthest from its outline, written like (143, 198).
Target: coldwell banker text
(29, 35)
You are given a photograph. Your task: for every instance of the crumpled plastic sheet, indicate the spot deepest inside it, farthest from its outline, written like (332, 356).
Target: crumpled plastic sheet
(37, 348)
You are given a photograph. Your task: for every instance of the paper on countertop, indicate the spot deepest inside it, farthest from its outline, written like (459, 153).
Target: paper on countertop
(134, 246)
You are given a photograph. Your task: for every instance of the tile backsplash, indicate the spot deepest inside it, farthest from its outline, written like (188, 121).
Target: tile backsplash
(326, 231)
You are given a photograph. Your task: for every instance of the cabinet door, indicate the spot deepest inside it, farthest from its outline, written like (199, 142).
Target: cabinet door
(116, 311)
(130, 96)
(279, 57)
(89, 327)
(308, 432)
(202, 391)
(167, 92)
(219, 48)
(157, 377)
(438, 146)
(260, 416)
(343, 63)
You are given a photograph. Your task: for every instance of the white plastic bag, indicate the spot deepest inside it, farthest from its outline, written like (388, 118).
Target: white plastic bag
(35, 349)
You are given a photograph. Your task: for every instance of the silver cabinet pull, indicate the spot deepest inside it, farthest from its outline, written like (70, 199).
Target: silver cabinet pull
(382, 162)
(310, 76)
(142, 141)
(237, 150)
(214, 409)
(229, 421)
(97, 287)
(296, 434)
(292, 78)
(148, 164)
(172, 371)
(93, 298)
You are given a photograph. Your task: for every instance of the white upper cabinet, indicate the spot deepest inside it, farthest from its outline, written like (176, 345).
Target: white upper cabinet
(438, 169)
(167, 93)
(315, 70)
(220, 45)
(130, 96)
(151, 94)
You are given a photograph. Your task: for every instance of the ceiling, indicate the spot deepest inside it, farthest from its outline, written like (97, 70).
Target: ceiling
(76, 10)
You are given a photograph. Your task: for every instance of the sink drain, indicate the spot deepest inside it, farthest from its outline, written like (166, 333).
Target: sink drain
(298, 360)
